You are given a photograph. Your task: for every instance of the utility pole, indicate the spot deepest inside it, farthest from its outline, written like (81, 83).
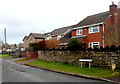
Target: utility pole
(5, 45)
(5, 35)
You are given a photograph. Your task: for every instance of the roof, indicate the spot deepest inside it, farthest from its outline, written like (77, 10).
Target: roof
(66, 38)
(62, 30)
(94, 19)
(37, 35)
(25, 38)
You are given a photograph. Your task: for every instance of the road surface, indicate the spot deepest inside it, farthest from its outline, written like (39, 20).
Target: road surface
(13, 72)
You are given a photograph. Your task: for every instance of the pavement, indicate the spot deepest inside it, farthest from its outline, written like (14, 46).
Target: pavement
(83, 78)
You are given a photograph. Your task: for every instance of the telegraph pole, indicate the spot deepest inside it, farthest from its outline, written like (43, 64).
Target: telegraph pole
(5, 35)
(5, 39)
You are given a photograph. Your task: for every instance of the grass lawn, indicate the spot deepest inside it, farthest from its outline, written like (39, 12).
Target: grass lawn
(4, 55)
(12, 58)
(97, 72)
(23, 59)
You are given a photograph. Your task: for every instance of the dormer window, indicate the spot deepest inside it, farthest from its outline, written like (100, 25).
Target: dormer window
(79, 32)
(94, 29)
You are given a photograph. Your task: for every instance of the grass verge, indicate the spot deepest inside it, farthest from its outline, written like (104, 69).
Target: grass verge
(12, 58)
(23, 59)
(96, 72)
(4, 55)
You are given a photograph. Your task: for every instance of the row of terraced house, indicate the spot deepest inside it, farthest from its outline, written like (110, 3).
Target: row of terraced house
(102, 29)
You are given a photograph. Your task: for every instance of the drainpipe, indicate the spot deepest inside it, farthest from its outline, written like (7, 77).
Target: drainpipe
(103, 36)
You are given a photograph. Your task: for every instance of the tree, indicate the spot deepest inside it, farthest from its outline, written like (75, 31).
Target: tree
(112, 31)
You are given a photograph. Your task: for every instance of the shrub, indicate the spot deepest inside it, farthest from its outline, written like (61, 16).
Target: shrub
(52, 44)
(41, 45)
(33, 47)
(74, 45)
(96, 49)
(118, 47)
(106, 48)
(113, 48)
(101, 48)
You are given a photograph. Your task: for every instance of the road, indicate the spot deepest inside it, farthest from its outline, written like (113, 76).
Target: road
(13, 72)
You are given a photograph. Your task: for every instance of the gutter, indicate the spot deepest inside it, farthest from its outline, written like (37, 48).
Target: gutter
(88, 26)
(103, 36)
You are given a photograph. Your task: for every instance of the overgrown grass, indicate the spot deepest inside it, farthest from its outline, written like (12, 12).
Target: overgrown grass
(97, 72)
(4, 55)
(23, 59)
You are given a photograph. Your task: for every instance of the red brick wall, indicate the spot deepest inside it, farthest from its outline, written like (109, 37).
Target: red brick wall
(93, 37)
(30, 55)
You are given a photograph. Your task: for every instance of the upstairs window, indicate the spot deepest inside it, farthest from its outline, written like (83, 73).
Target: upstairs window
(94, 29)
(79, 32)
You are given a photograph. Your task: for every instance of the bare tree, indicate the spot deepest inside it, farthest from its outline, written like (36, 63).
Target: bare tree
(112, 31)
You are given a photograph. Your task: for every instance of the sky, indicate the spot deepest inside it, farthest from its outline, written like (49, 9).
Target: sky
(21, 17)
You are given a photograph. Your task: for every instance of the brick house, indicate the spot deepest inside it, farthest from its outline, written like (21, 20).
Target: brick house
(32, 38)
(101, 29)
(95, 30)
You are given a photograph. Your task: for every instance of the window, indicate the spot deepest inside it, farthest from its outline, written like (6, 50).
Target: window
(58, 37)
(48, 37)
(94, 29)
(79, 32)
(94, 45)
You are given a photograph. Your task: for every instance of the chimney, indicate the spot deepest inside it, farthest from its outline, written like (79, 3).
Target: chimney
(113, 8)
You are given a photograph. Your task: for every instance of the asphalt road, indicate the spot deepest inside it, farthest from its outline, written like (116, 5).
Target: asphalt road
(12, 72)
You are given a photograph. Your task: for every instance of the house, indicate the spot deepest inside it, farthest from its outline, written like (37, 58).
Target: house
(60, 34)
(101, 29)
(97, 30)
(32, 38)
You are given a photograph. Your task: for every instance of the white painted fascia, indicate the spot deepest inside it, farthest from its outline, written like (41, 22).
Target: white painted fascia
(63, 43)
(67, 31)
(88, 26)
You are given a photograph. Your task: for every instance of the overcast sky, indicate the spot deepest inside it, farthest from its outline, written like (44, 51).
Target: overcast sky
(21, 17)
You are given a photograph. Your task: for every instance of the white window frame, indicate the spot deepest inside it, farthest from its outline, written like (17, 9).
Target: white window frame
(91, 29)
(92, 43)
(58, 37)
(79, 32)
(48, 37)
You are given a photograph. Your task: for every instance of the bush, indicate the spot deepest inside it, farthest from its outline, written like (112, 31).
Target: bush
(52, 44)
(74, 45)
(33, 47)
(101, 48)
(106, 48)
(41, 45)
(113, 48)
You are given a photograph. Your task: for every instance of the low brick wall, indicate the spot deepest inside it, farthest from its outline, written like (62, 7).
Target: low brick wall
(31, 55)
(100, 59)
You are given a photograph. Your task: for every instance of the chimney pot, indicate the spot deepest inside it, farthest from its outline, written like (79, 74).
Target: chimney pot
(113, 8)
